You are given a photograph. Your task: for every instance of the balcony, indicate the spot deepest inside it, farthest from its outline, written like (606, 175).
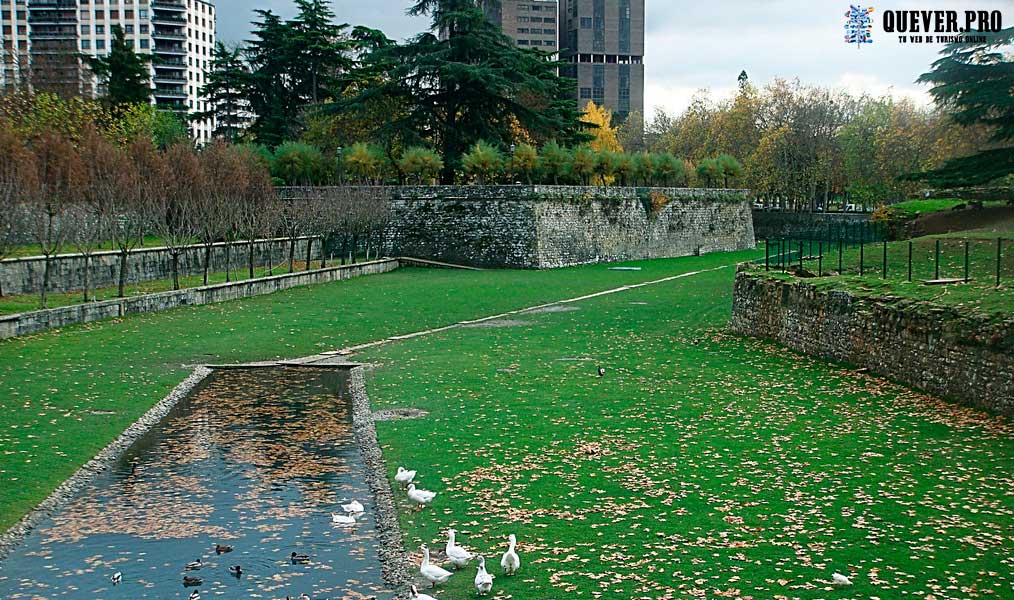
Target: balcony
(174, 50)
(168, 35)
(53, 35)
(169, 64)
(162, 93)
(167, 20)
(39, 19)
(169, 79)
(163, 5)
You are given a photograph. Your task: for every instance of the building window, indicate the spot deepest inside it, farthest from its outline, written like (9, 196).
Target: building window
(143, 28)
(86, 44)
(522, 42)
(143, 13)
(586, 22)
(86, 29)
(522, 30)
(100, 29)
(549, 31)
(522, 19)
(537, 31)
(100, 44)
(128, 28)
(586, 93)
(144, 43)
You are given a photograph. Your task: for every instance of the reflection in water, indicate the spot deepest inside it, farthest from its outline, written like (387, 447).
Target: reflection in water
(254, 459)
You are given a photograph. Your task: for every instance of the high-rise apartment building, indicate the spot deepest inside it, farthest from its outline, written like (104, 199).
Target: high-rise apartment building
(530, 23)
(43, 39)
(603, 42)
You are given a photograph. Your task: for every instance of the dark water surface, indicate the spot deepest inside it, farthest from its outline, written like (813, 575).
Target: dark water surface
(256, 459)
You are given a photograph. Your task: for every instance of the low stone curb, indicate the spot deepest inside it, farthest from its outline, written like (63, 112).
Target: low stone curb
(395, 566)
(103, 461)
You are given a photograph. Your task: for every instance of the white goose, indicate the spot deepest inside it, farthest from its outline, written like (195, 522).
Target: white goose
(432, 573)
(511, 562)
(483, 579)
(354, 507)
(840, 579)
(404, 476)
(458, 556)
(420, 497)
(340, 519)
(415, 595)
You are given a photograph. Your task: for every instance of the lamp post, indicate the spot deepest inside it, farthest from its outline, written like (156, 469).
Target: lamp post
(512, 164)
(341, 179)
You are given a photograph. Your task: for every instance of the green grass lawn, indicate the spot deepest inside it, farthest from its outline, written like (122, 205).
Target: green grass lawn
(702, 464)
(914, 208)
(979, 294)
(65, 394)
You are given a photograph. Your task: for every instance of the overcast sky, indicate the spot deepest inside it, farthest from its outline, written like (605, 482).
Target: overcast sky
(692, 44)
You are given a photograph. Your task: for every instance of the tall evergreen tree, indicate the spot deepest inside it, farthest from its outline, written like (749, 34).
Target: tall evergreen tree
(123, 72)
(321, 50)
(270, 89)
(464, 80)
(225, 90)
(975, 84)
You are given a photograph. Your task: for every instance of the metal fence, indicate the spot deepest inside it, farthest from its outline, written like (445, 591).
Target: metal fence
(937, 260)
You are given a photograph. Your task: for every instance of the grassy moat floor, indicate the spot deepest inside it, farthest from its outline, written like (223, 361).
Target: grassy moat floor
(700, 465)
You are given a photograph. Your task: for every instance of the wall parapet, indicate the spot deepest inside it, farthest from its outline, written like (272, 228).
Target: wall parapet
(945, 351)
(41, 320)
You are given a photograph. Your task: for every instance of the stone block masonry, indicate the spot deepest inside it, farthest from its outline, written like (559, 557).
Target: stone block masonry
(24, 275)
(556, 226)
(941, 350)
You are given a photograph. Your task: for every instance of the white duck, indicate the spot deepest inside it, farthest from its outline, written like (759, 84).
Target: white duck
(432, 573)
(195, 595)
(415, 595)
(404, 476)
(420, 497)
(116, 578)
(840, 579)
(483, 579)
(458, 556)
(340, 519)
(511, 562)
(354, 507)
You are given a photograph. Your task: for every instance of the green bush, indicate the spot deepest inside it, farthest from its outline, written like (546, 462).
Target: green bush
(422, 165)
(554, 162)
(524, 161)
(364, 163)
(297, 163)
(483, 163)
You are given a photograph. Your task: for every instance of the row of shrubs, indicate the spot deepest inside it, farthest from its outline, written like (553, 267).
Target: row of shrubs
(297, 163)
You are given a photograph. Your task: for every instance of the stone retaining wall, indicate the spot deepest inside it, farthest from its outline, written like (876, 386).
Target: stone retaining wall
(555, 226)
(24, 275)
(41, 320)
(774, 224)
(942, 350)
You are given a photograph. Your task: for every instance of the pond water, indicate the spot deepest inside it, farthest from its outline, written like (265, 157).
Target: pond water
(255, 459)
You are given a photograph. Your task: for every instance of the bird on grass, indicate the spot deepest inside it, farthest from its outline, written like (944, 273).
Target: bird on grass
(222, 549)
(353, 507)
(415, 595)
(483, 579)
(189, 581)
(601, 371)
(296, 557)
(841, 580)
(420, 497)
(458, 556)
(511, 562)
(195, 595)
(194, 565)
(404, 476)
(432, 573)
(236, 570)
(116, 578)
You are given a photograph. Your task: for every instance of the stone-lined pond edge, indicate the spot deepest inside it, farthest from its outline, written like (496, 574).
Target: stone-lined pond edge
(102, 461)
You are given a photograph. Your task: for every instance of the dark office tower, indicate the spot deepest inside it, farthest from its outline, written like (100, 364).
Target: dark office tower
(603, 40)
(56, 64)
(530, 23)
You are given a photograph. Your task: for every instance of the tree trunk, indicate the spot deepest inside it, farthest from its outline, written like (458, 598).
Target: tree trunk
(345, 244)
(271, 263)
(355, 247)
(309, 252)
(45, 283)
(176, 270)
(228, 261)
(323, 251)
(292, 253)
(369, 240)
(87, 276)
(250, 250)
(122, 284)
(207, 262)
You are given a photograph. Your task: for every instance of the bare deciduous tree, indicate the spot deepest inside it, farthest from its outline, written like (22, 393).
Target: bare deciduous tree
(174, 201)
(58, 177)
(17, 181)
